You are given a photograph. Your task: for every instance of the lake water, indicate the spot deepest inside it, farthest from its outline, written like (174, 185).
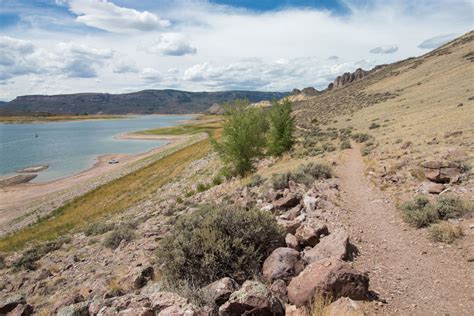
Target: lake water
(70, 147)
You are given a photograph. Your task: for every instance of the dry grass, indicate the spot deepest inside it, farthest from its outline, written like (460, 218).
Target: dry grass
(113, 197)
(445, 232)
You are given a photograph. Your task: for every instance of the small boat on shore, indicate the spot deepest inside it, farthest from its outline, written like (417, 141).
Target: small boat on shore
(113, 161)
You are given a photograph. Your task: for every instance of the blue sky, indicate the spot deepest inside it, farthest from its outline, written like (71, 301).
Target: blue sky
(66, 46)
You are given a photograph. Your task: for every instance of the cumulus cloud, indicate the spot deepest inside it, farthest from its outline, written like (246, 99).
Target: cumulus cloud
(437, 41)
(107, 16)
(387, 49)
(260, 74)
(171, 44)
(20, 57)
(126, 66)
(17, 57)
(81, 61)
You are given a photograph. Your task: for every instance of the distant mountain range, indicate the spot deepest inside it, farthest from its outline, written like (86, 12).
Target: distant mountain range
(142, 102)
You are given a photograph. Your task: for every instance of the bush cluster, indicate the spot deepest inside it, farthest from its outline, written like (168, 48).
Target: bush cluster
(421, 212)
(31, 256)
(361, 137)
(305, 174)
(123, 232)
(95, 229)
(214, 242)
(249, 133)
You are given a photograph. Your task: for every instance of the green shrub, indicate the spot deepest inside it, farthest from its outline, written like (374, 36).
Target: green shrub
(213, 242)
(316, 170)
(366, 150)
(201, 187)
(419, 212)
(345, 144)
(329, 147)
(179, 200)
(189, 193)
(374, 125)
(243, 137)
(450, 206)
(99, 228)
(361, 137)
(2, 261)
(280, 180)
(281, 128)
(122, 232)
(217, 180)
(28, 259)
(445, 232)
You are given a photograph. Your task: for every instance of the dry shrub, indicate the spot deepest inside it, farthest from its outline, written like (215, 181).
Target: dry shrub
(445, 232)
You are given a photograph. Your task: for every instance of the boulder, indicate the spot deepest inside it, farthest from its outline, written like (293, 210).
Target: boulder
(140, 311)
(344, 306)
(328, 277)
(431, 187)
(290, 227)
(78, 309)
(220, 290)
(278, 289)
(310, 203)
(291, 241)
(68, 300)
(253, 298)
(441, 172)
(138, 277)
(309, 234)
(292, 213)
(292, 310)
(336, 245)
(280, 264)
(177, 310)
(286, 202)
(8, 304)
(162, 300)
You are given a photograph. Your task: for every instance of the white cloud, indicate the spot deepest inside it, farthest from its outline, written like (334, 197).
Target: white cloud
(107, 16)
(17, 58)
(171, 44)
(437, 41)
(387, 49)
(237, 49)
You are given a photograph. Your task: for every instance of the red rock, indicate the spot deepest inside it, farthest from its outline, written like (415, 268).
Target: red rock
(309, 234)
(336, 245)
(327, 277)
(280, 264)
(220, 290)
(286, 202)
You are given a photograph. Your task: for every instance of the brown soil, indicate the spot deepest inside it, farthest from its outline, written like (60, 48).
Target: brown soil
(413, 275)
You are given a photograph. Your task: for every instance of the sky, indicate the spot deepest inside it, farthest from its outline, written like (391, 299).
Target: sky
(118, 46)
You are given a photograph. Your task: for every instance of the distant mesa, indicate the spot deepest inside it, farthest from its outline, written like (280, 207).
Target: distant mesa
(33, 169)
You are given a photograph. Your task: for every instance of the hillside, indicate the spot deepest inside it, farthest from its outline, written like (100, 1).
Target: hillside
(339, 198)
(142, 102)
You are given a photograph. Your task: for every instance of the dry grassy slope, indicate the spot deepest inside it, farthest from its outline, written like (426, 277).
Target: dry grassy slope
(416, 100)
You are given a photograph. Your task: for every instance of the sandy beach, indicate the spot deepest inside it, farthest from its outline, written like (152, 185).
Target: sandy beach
(19, 200)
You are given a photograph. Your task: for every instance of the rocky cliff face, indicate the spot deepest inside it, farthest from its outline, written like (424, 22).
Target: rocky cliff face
(347, 78)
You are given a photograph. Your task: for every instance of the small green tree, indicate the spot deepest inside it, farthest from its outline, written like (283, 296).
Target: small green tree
(243, 137)
(282, 126)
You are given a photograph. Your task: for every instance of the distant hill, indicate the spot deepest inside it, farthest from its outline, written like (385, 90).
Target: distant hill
(142, 102)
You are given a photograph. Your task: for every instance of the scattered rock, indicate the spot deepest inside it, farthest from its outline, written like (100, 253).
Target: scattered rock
(291, 241)
(78, 309)
(328, 277)
(280, 264)
(286, 202)
(253, 298)
(309, 234)
(336, 245)
(139, 277)
(292, 310)
(8, 304)
(310, 203)
(431, 187)
(290, 227)
(441, 172)
(278, 289)
(220, 290)
(344, 306)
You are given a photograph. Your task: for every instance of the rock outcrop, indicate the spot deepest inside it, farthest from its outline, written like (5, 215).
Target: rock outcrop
(328, 277)
(280, 264)
(253, 298)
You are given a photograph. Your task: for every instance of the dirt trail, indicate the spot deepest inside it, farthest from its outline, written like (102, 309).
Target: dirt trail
(414, 275)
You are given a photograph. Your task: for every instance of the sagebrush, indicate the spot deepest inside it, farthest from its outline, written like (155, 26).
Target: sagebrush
(214, 242)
